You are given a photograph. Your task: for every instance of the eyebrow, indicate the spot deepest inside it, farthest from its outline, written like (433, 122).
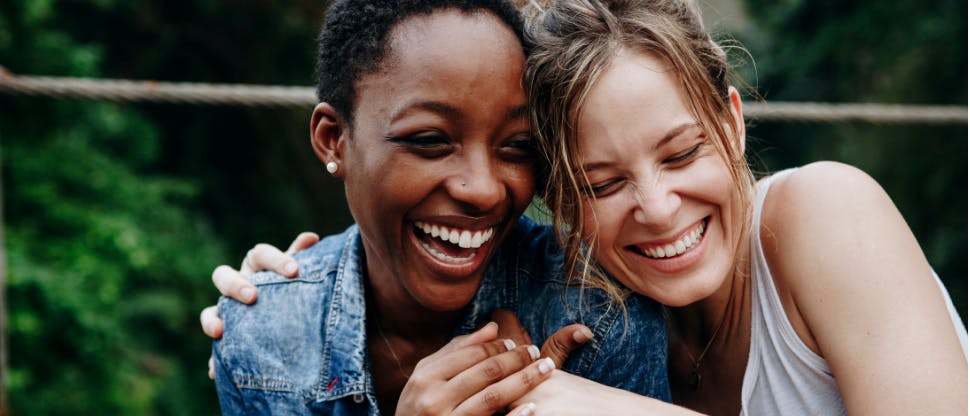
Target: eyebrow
(433, 106)
(517, 112)
(670, 135)
(450, 111)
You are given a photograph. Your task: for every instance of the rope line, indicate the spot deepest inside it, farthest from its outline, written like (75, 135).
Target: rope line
(869, 113)
(154, 91)
(305, 97)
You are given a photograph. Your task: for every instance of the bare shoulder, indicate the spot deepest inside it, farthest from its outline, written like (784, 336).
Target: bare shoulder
(827, 203)
(855, 279)
(825, 186)
(828, 212)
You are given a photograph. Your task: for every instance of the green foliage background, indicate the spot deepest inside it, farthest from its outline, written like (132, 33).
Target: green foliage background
(115, 214)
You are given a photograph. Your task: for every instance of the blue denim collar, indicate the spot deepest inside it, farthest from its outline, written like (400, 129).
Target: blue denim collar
(345, 357)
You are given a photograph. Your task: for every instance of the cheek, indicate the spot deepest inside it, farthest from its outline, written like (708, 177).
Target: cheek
(604, 221)
(520, 181)
(713, 183)
(709, 179)
(383, 187)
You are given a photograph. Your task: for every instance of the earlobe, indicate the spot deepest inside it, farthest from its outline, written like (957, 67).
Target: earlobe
(737, 115)
(327, 137)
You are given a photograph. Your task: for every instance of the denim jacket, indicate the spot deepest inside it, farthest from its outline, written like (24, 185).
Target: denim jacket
(301, 349)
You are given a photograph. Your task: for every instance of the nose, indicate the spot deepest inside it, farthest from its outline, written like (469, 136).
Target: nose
(656, 204)
(478, 184)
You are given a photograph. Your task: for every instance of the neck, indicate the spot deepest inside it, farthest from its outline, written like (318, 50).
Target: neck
(721, 313)
(391, 306)
(710, 340)
(400, 332)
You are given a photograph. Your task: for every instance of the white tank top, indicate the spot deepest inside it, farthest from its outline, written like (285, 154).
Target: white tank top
(784, 376)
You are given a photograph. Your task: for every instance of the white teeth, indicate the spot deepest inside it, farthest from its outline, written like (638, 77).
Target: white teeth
(444, 257)
(461, 238)
(678, 247)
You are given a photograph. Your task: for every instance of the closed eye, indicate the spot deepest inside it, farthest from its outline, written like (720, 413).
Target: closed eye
(520, 149)
(425, 144)
(683, 156)
(604, 188)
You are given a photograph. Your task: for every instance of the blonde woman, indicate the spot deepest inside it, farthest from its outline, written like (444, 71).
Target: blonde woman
(802, 293)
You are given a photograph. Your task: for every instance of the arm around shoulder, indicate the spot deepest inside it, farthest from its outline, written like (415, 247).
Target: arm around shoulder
(843, 254)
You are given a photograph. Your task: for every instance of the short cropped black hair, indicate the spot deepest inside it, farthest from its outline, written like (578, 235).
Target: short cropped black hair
(353, 40)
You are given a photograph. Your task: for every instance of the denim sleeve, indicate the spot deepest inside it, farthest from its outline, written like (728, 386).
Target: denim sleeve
(631, 353)
(230, 399)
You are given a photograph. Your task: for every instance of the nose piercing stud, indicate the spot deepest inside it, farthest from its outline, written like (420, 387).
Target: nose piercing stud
(332, 167)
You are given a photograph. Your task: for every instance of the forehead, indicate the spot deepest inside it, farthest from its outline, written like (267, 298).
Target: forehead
(446, 56)
(452, 37)
(636, 97)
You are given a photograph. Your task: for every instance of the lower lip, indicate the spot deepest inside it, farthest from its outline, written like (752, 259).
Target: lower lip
(452, 271)
(682, 262)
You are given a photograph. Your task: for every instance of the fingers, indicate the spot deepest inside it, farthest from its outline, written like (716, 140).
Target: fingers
(211, 324)
(212, 371)
(469, 366)
(498, 395)
(266, 257)
(233, 284)
(560, 344)
(486, 333)
(303, 241)
(492, 370)
(448, 365)
(527, 409)
(429, 389)
(510, 327)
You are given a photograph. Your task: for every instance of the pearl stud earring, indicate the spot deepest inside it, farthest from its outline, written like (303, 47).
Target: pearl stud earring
(332, 167)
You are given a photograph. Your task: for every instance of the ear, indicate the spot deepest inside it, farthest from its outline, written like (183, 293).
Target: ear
(328, 136)
(734, 98)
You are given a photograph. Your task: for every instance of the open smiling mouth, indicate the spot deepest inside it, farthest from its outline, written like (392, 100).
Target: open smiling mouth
(684, 244)
(449, 244)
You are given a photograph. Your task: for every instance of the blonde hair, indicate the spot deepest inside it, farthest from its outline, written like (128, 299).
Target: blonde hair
(574, 42)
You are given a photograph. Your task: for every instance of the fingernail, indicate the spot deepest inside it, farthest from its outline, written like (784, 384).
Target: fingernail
(546, 365)
(510, 345)
(247, 294)
(290, 268)
(582, 335)
(533, 352)
(530, 409)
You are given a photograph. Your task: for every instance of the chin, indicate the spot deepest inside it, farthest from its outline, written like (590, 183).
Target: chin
(449, 298)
